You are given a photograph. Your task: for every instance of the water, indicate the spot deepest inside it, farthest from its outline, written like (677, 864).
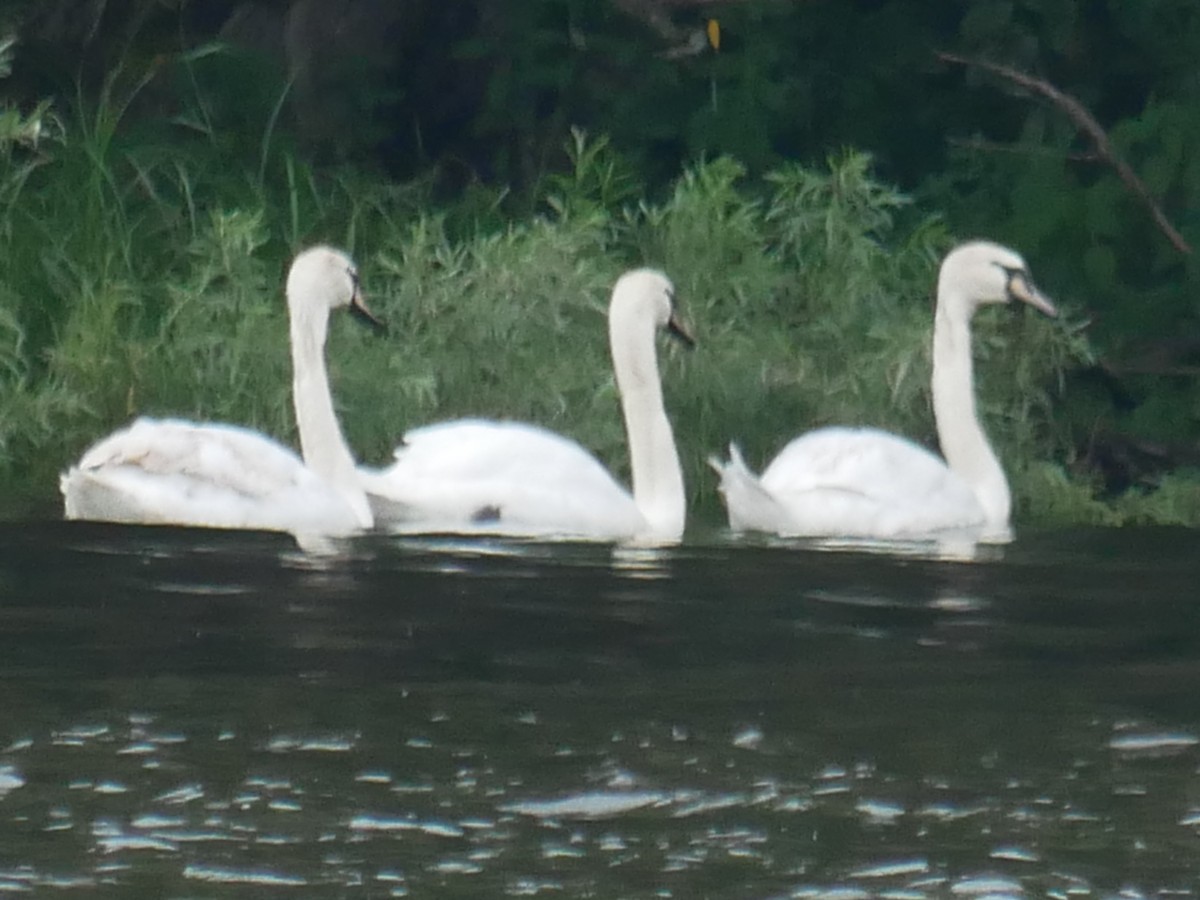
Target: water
(206, 714)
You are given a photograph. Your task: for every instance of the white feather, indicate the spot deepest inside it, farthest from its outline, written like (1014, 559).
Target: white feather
(505, 477)
(170, 471)
(510, 478)
(863, 482)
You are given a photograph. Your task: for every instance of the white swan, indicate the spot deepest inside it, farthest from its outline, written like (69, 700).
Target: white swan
(867, 483)
(170, 471)
(511, 478)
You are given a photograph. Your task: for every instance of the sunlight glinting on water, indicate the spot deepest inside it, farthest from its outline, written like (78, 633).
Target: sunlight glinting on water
(162, 833)
(234, 876)
(1152, 743)
(10, 780)
(591, 805)
(323, 744)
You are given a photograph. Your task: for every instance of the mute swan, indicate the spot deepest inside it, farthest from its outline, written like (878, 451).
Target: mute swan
(170, 471)
(863, 482)
(474, 475)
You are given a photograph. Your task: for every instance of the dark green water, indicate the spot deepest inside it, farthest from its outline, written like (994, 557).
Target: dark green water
(205, 714)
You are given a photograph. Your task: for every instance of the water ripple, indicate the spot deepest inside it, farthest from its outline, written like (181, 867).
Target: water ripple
(892, 869)
(263, 877)
(589, 805)
(1153, 743)
(181, 795)
(10, 780)
(369, 822)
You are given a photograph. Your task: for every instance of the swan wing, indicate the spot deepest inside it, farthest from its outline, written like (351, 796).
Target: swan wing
(169, 471)
(863, 482)
(499, 477)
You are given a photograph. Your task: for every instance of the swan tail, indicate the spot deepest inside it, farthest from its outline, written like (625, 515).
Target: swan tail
(386, 509)
(68, 483)
(735, 460)
(91, 495)
(385, 505)
(750, 506)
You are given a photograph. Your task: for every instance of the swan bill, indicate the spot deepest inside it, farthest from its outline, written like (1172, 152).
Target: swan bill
(1020, 287)
(362, 312)
(677, 328)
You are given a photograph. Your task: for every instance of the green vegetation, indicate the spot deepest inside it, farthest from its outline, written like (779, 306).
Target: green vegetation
(811, 304)
(143, 258)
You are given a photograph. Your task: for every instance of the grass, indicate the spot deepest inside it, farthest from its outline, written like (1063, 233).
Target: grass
(142, 278)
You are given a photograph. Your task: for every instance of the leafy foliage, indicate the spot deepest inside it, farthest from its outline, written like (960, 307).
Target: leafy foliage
(811, 305)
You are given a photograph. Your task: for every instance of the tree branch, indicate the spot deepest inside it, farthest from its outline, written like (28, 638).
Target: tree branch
(996, 147)
(689, 41)
(684, 41)
(1085, 122)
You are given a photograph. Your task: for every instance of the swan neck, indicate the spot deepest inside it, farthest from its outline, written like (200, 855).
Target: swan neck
(658, 490)
(960, 433)
(322, 444)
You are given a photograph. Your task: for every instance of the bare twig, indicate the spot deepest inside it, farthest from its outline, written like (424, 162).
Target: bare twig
(997, 147)
(655, 15)
(1086, 123)
(1163, 356)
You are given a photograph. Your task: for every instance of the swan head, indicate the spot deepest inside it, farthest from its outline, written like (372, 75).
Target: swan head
(647, 295)
(981, 272)
(323, 279)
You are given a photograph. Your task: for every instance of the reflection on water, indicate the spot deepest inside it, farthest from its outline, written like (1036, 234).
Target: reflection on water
(206, 714)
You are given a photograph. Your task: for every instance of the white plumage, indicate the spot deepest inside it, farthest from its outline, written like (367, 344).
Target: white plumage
(173, 472)
(475, 475)
(505, 477)
(867, 483)
(170, 471)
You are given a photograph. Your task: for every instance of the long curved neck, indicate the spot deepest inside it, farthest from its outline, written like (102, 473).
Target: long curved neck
(321, 441)
(963, 442)
(654, 462)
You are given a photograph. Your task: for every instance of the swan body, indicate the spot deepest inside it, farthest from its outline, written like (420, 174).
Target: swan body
(500, 476)
(867, 483)
(849, 482)
(174, 472)
(476, 475)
